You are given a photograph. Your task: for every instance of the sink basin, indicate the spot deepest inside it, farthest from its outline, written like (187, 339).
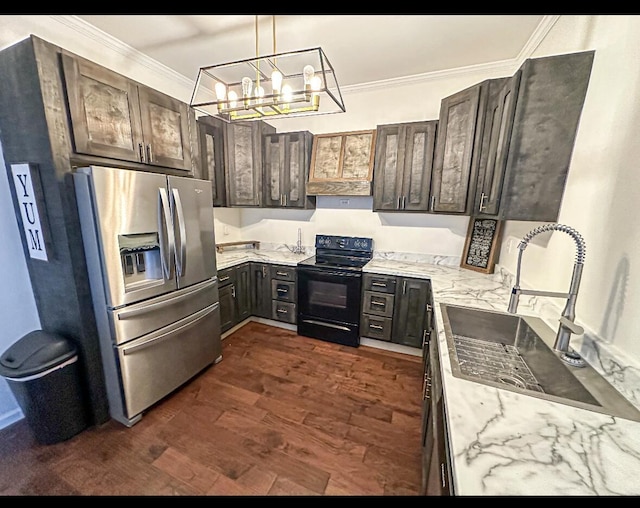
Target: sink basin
(516, 353)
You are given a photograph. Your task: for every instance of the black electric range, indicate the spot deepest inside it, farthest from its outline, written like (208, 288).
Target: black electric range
(329, 289)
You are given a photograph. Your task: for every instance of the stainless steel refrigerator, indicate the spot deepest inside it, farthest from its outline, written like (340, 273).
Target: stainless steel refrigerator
(150, 249)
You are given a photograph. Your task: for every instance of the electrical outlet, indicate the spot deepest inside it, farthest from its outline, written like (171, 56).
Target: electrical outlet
(225, 230)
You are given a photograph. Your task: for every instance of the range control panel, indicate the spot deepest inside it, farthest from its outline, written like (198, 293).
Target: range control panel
(353, 243)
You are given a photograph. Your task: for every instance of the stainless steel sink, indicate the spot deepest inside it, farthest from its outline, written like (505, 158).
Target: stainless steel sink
(516, 353)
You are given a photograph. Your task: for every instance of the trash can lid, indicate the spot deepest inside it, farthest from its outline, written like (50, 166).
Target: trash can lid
(36, 352)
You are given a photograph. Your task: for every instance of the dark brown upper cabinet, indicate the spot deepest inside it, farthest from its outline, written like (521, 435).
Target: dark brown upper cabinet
(528, 138)
(286, 161)
(243, 162)
(451, 176)
(494, 133)
(118, 118)
(211, 135)
(402, 166)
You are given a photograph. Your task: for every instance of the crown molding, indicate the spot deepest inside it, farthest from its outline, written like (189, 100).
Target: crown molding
(503, 67)
(116, 45)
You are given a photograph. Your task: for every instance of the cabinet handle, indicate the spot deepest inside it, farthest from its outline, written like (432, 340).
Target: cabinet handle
(377, 303)
(380, 284)
(222, 279)
(264, 271)
(404, 287)
(233, 291)
(281, 200)
(483, 196)
(149, 155)
(285, 199)
(404, 202)
(375, 327)
(444, 484)
(398, 205)
(282, 273)
(281, 290)
(141, 151)
(433, 203)
(429, 307)
(282, 311)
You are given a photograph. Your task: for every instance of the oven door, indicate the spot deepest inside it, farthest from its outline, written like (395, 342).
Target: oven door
(329, 304)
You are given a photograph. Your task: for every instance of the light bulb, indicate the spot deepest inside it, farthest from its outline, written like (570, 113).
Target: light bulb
(276, 83)
(287, 95)
(259, 96)
(247, 84)
(233, 99)
(221, 94)
(316, 85)
(309, 73)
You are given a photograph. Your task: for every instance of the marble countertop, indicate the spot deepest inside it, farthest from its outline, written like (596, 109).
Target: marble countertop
(503, 443)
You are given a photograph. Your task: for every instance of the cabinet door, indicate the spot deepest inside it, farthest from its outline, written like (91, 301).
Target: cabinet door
(410, 313)
(496, 133)
(104, 110)
(274, 163)
(165, 129)
(243, 291)
(261, 290)
(417, 165)
(212, 155)
(296, 174)
(228, 314)
(454, 150)
(243, 162)
(387, 167)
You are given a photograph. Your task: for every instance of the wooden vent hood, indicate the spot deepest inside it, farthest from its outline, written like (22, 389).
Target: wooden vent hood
(342, 164)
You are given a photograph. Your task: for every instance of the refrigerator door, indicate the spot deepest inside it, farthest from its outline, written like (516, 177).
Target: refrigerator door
(195, 247)
(156, 364)
(133, 231)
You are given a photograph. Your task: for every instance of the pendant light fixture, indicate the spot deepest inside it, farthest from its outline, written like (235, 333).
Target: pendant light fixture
(280, 85)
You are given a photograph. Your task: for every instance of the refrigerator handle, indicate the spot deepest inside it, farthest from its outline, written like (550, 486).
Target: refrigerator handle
(181, 254)
(165, 231)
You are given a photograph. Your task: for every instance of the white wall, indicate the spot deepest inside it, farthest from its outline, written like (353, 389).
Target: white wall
(603, 189)
(18, 311)
(599, 200)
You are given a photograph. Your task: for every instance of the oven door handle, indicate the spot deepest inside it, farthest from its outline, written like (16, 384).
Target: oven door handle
(330, 272)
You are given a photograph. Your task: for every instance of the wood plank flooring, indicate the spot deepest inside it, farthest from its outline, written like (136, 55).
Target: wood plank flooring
(280, 415)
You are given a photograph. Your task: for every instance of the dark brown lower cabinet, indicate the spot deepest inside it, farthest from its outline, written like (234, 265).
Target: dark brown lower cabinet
(261, 290)
(412, 311)
(436, 464)
(396, 309)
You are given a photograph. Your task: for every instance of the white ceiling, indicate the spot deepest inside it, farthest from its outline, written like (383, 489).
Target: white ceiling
(361, 48)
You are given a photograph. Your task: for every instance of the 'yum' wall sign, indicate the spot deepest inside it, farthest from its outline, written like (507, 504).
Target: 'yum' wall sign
(26, 181)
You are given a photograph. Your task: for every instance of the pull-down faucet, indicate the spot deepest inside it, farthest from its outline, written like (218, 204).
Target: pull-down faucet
(567, 325)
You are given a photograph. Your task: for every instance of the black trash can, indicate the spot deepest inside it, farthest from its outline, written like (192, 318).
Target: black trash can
(42, 370)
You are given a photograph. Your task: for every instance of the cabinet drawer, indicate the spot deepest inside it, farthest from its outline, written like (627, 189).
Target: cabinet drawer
(283, 273)
(226, 276)
(379, 283)
(380, 304)
(283, 290)
(283, 311)
(376, 327)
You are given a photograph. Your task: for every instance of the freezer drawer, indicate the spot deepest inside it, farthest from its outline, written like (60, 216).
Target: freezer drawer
(142, 318)
(156, 364)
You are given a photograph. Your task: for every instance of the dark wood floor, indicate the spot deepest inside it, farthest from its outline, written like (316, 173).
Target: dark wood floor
(279, 415)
